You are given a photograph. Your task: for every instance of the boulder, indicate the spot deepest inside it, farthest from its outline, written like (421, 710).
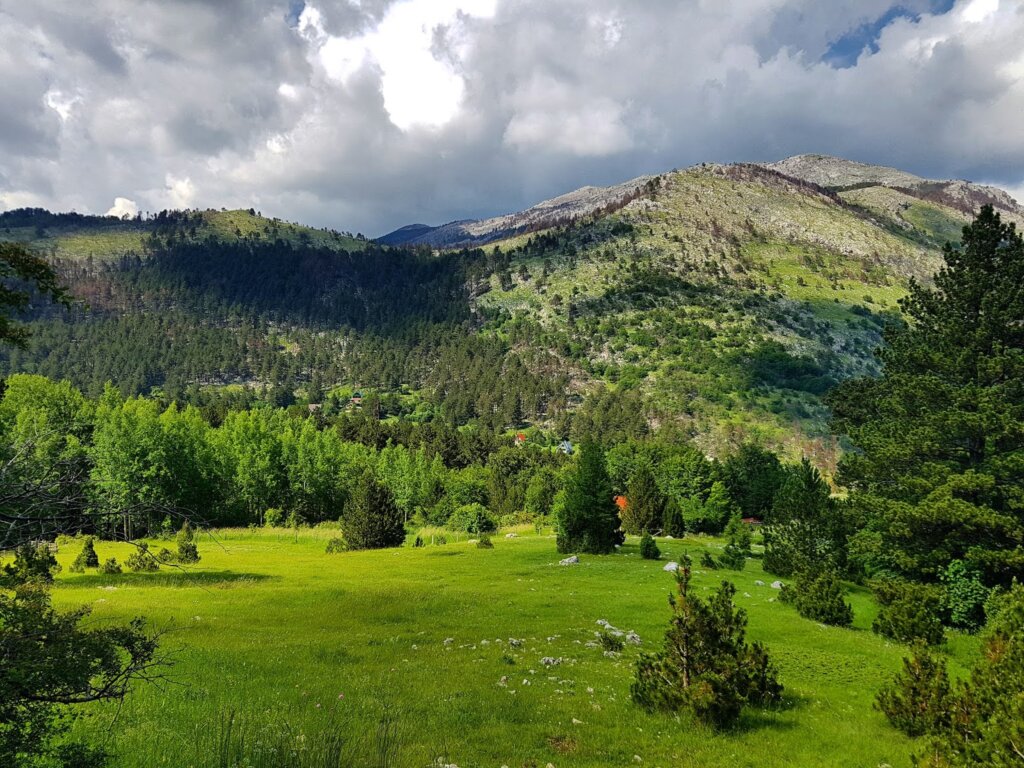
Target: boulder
(572, 560)
(671, 567)
(777, 585)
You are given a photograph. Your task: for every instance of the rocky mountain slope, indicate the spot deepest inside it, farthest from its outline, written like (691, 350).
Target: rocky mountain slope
(723, 299)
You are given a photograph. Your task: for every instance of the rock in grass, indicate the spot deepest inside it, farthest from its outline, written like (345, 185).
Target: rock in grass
(758, 583)
(777, 585)
(511, 535)
(671, 567)
(572, 560)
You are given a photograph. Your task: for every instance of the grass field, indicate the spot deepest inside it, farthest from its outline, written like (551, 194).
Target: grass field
(407, 651)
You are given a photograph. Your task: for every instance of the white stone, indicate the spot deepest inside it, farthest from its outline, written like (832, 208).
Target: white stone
(776, 585)
(573, 560)
(671, 567)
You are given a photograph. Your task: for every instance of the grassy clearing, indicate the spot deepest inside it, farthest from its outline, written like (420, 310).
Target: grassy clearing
(286, 642)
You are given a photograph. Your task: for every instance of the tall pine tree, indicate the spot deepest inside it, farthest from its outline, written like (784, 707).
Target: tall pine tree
(938, 470)
(372, 518)
(586, 517)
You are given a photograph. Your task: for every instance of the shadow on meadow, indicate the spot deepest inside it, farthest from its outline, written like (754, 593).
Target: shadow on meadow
(169, 578)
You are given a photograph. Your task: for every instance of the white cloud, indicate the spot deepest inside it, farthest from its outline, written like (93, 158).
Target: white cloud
(180, 192)
(419, 88)
(123, 207)
(977, 11)
(61, 103)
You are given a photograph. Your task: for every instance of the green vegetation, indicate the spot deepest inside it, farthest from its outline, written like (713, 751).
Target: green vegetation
(266, 627)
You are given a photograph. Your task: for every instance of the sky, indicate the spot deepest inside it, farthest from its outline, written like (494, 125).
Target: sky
(364, 115)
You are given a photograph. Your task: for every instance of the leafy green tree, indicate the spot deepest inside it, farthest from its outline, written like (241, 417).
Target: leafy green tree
(586, 519)
(540, 492)
(645, 507)
(705, 666)
(372, 519)
(673, 523)
(937, 469)
(711, 514)
(964, 596)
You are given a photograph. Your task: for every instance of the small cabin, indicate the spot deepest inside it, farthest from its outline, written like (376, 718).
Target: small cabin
(753, 522)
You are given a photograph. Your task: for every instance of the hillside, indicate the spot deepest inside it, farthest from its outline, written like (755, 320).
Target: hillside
(722, 299)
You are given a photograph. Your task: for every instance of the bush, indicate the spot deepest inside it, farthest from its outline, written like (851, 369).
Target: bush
(166, 556)
(187, 551)
(87, 558)
(110, 566)
(485, 542)
(418, 542)
(909, 612)
(141, 560)
(336, 545)
(610, 642)
(706, 665)
(31, 564)
(273, 518)
(472, 518)
(708, 561)
(819, 597)
(964, 597)
(737, 550)
(917, 701)
(649, 547)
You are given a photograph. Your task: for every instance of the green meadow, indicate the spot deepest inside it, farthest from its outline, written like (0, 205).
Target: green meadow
(455, 655)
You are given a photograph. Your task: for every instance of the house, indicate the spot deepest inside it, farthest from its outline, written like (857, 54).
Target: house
(753, 522)
(357, 398)
(565, 447)
(520, 439)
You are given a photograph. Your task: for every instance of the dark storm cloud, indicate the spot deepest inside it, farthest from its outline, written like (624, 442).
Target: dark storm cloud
(368, 114)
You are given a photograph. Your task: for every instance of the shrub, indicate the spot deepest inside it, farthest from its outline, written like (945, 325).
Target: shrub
(167, 528)
(909, 612)
(87, 558)
(273, 518)
(705, 665)
(336, 545)
(610, 642)
(32, 563)
(485, 542)
(418, 542)
(964, 597)
(737, 550)
(295, 521)
(141, 560)
(649, 547)
(819, 597)
(472, 518)
(917, 700)
(166, 556)
(707, 561)
(672, 520)
(187, 550)
(110, 566)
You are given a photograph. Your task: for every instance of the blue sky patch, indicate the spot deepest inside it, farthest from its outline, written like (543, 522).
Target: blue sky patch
(844, 52)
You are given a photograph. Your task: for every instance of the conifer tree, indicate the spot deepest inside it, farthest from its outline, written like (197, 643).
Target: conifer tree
(188, 552)
(586, 517)
(705, 665)
(645, 507)
(936, 470)
(372, 519)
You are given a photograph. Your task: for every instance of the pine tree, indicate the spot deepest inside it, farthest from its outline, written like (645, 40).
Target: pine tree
(372, 519)
(586, 517)
(188, 552)
(737, 550)
(706, 665)
(937, 436)
(645, 507)
(804, 530)
(87, 558)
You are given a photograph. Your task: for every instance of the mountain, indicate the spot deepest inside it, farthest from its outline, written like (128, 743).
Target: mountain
(724, 300)
(556, 212)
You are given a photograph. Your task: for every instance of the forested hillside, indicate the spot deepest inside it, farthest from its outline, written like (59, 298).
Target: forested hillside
(726, 300)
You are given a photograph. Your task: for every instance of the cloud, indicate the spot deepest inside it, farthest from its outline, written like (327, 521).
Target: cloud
(371, 114)
(123, 207)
